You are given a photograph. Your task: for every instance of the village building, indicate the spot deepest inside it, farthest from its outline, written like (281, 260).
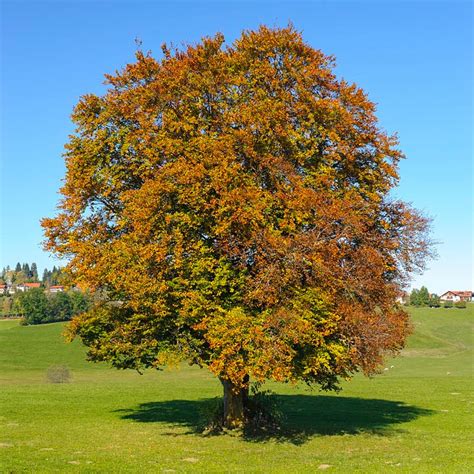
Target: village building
(56, 289)
(27, 286)
(455, 296)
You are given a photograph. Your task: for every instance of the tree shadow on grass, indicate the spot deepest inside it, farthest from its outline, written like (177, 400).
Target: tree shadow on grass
(305, 416)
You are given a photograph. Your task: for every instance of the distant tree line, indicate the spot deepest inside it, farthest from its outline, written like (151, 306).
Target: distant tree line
(26, 273)
(423, 297)
(39, 307)
(52, 277)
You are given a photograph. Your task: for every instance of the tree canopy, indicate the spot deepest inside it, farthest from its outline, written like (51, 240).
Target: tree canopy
(233, 204)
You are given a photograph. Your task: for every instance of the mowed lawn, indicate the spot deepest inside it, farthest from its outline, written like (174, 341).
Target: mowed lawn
(416, 416)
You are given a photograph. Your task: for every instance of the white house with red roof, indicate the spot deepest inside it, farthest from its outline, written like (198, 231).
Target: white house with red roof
(27, 286)
(454, 296)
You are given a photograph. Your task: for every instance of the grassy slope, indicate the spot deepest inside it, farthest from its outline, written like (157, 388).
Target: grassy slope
(414, 417)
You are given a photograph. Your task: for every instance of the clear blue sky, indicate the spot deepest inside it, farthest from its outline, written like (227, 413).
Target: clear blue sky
(413, 58)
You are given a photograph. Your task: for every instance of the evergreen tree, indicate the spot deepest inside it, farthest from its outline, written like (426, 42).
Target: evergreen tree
(415, 297)
(424, 296)
(55, 276)
(45, 278)
(34, 271)
(18, 268)
(20, 276)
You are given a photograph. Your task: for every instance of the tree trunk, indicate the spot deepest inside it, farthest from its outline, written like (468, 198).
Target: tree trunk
(235, 399)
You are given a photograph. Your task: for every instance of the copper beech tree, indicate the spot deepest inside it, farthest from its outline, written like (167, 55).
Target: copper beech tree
(232, 203)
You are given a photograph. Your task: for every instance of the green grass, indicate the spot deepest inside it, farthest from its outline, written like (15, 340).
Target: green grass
(414, 417)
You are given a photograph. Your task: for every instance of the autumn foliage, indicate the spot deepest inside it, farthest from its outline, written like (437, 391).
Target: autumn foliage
(232, 203)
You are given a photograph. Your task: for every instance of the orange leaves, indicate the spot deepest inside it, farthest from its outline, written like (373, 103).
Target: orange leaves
(240, 346)
(232, 205)
(270, 345)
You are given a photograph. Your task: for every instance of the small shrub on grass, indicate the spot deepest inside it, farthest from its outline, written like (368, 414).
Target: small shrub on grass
(58, 374)
(460, 304)
(23, 321)
(448, 304)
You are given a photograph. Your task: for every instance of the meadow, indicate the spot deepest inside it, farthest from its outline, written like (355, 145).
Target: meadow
(416, 416)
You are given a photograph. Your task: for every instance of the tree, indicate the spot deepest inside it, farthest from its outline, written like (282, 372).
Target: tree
(18, 268)
(424, 296)
(80, 301)
(34, 271)
(34, 305)
(55, 276)
(26, 270)
(415, 297)
(46, 277)
(9, 276)
(233, 204)
(6, 305)
(434, 301)
(420, 297)
(59, 307)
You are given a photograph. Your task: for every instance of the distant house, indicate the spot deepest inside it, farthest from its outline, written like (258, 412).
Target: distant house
(56, 289)
(454, 296)
(3, 288)
(403, 298)
(27, 286)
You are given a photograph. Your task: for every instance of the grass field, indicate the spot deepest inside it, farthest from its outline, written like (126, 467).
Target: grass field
(414, 417)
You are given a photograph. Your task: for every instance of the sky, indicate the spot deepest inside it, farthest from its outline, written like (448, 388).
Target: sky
(414, 59)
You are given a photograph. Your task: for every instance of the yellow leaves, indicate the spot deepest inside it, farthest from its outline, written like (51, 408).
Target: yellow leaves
(233, 200)
(265, 345)
(168, 358)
